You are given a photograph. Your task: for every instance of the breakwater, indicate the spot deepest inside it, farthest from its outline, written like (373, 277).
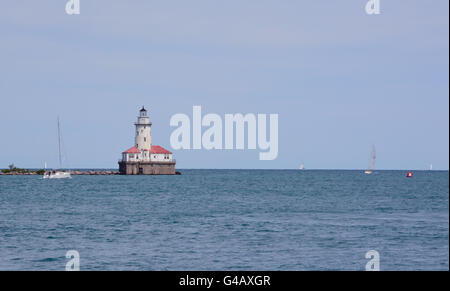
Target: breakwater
(75, 172)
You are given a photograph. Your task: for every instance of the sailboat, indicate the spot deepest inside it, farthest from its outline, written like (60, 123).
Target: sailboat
(302, 166)
(431, 167)
(57, 174)
(373, 156)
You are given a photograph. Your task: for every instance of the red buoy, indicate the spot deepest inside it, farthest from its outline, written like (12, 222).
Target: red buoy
(409, 174)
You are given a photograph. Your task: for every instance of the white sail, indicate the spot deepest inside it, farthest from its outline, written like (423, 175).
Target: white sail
(431, 167)
(302, 166)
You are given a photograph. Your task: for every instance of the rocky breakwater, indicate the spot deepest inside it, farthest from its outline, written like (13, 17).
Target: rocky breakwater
(106, 173)
(23, 172)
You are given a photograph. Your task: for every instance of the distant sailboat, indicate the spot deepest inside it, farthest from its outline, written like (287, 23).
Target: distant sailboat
(57, 174)
(302, 166)
(373, 156)
(431, 167)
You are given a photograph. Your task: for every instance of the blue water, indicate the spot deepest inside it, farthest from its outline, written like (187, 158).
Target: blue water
(227, 220)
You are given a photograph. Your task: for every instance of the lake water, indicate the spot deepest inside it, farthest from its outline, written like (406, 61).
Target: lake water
(227, 220)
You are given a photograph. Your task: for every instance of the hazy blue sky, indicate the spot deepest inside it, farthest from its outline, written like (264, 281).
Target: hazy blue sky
(339, 79)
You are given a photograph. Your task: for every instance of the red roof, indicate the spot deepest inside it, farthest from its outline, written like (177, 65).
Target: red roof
(132, 150)
(159, 150)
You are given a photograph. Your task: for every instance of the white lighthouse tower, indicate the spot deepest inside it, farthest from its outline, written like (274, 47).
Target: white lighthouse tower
(143, 138)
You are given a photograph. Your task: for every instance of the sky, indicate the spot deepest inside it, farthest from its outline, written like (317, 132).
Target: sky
(340, 80)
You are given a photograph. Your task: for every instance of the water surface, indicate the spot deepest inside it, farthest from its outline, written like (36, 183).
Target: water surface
(227, 220)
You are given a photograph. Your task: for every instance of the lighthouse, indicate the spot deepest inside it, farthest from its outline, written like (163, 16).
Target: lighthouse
(144, 158)
(143, 137)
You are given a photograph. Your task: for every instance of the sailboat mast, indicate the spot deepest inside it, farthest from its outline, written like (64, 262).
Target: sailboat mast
(373, 156)
(59, 145)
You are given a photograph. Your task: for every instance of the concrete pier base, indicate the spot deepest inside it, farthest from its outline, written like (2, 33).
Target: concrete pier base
(147, 168)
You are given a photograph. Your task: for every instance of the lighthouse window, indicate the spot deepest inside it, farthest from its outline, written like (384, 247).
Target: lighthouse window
(145, 139)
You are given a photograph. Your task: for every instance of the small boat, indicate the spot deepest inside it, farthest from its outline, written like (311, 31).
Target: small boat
(373, 156)
(57, 174)
(431, 167)
(302, 166)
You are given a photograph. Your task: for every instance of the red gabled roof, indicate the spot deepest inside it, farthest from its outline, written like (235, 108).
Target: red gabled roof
(159, 150)
(132, 150)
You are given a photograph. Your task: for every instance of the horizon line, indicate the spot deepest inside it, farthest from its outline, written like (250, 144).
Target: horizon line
(271, 169)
